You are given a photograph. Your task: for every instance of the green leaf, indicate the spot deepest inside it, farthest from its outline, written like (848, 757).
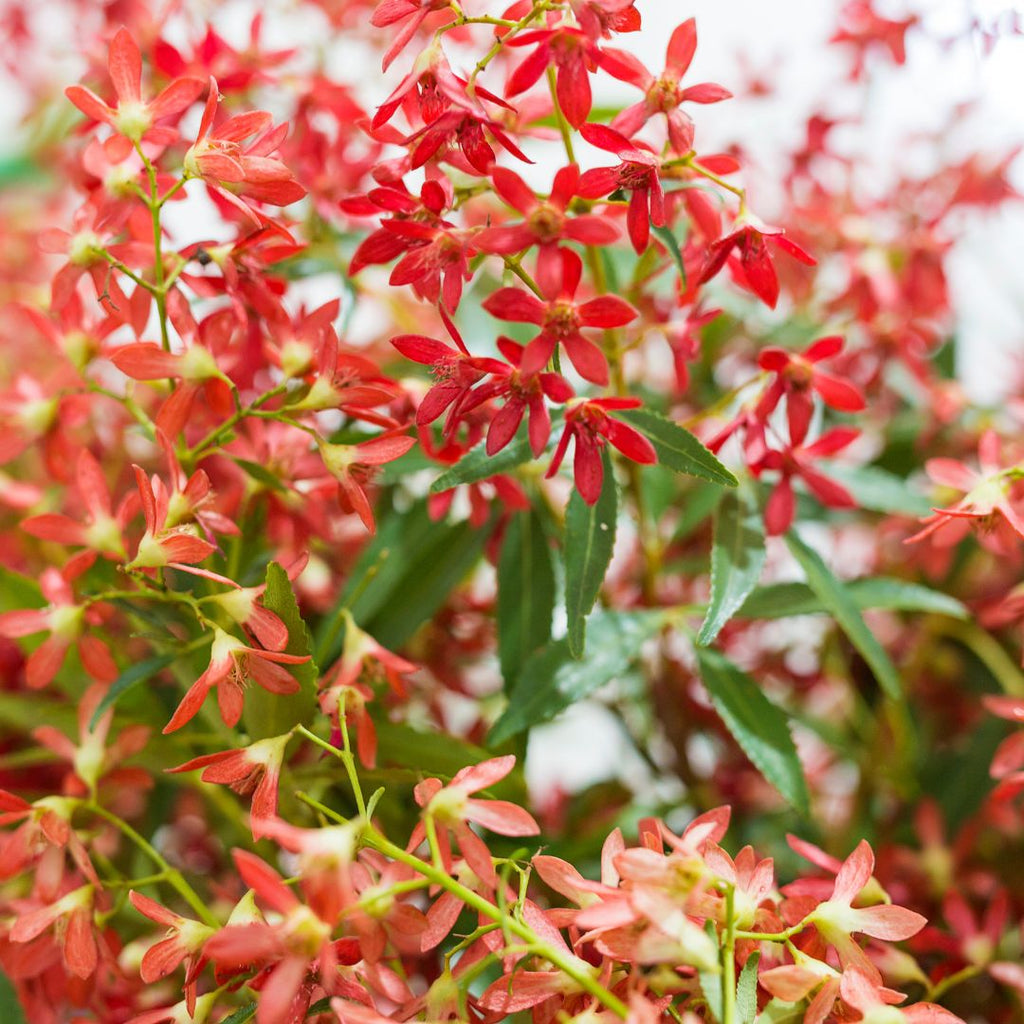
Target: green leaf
(880, 491)
(402, 577)
(711, 981)
(672, 244)
(131, 677)
(476, 464)
(782, 600)
(759, 727)
(837, 600)
(737, 557)
(778, 1011)
(677, 448)
(551, 679)
(17, 591)
(526, 593)
(589, 540)
(261, 475)
(272, 714)
(746, 991)
(10, 1006)
(241, 1015)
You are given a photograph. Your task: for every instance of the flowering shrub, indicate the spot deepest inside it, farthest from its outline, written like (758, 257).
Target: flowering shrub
(296, 564)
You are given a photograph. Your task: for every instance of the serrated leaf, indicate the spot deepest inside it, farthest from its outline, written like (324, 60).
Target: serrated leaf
(551, 679)
(778, 1011)
(526, 593)
(877, 490)
(781, 600)
(759, 727)
(677, 448)
(837, 600)
(10, 1006)
(241, 1015)
(737, 557)
(672, 244)
(746, 991)
(589, 541)
(131, 677)
(272, 714)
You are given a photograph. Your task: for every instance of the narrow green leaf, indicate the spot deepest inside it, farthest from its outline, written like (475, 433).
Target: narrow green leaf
(677, 448)
(880, 491)
(778, 1011)
(781, 600)
(737, 557)
(261, 475)
(241, 1015)
(131, 677)
(834, 595)
(10, 1006)
(589, 540)
(759, 727)
(271, 714)
(526, 593)
(672, 244)
(711, 981)
(746, 991)
(551, 679)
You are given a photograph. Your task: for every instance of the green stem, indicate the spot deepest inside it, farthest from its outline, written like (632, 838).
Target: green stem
(563, 126)
(729, 960)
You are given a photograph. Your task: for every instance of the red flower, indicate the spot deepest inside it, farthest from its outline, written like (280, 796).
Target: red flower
(638, 173)
(255, 770)
(561, 317)
(71, 917)
(589, 423)
(573, 53)
(750, 237)
(664, 94)
(797, 376)
(452, 808)
(132, 117)
(232, 665)
(546, 222)
(394, 12)
(796, 460)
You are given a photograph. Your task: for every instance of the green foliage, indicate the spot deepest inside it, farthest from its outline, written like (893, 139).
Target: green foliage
(677, 448)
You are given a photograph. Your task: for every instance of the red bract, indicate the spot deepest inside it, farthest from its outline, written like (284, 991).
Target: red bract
(664, 94)
(750, 238)
(573, 53)
(560, 318)
(132, 117)
(588, 423)
(639, 173)
(797, 376)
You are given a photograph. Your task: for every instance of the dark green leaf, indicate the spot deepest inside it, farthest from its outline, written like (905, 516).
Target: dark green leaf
(672, 244)
(241, 1015)
(737, 557)
(837, 600)
(526, 593)
(758, 726)
(130, 678)
(880, 491)
(261, 475)
(589, 540)
(781, 600)
(10, 1006)
(746, 991)
(271, 714)
(551, 679)
(677, 448)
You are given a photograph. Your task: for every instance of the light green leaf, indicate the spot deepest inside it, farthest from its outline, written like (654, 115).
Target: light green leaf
(777, 1011)
(837, 600)
(759, 727)
(879, 491)
(551, 679)
(746, 991)
(781, 600)
(271, 714)
(677, 448)
(526, 593)
(737, 557)
(589, 540)
(17, 591)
